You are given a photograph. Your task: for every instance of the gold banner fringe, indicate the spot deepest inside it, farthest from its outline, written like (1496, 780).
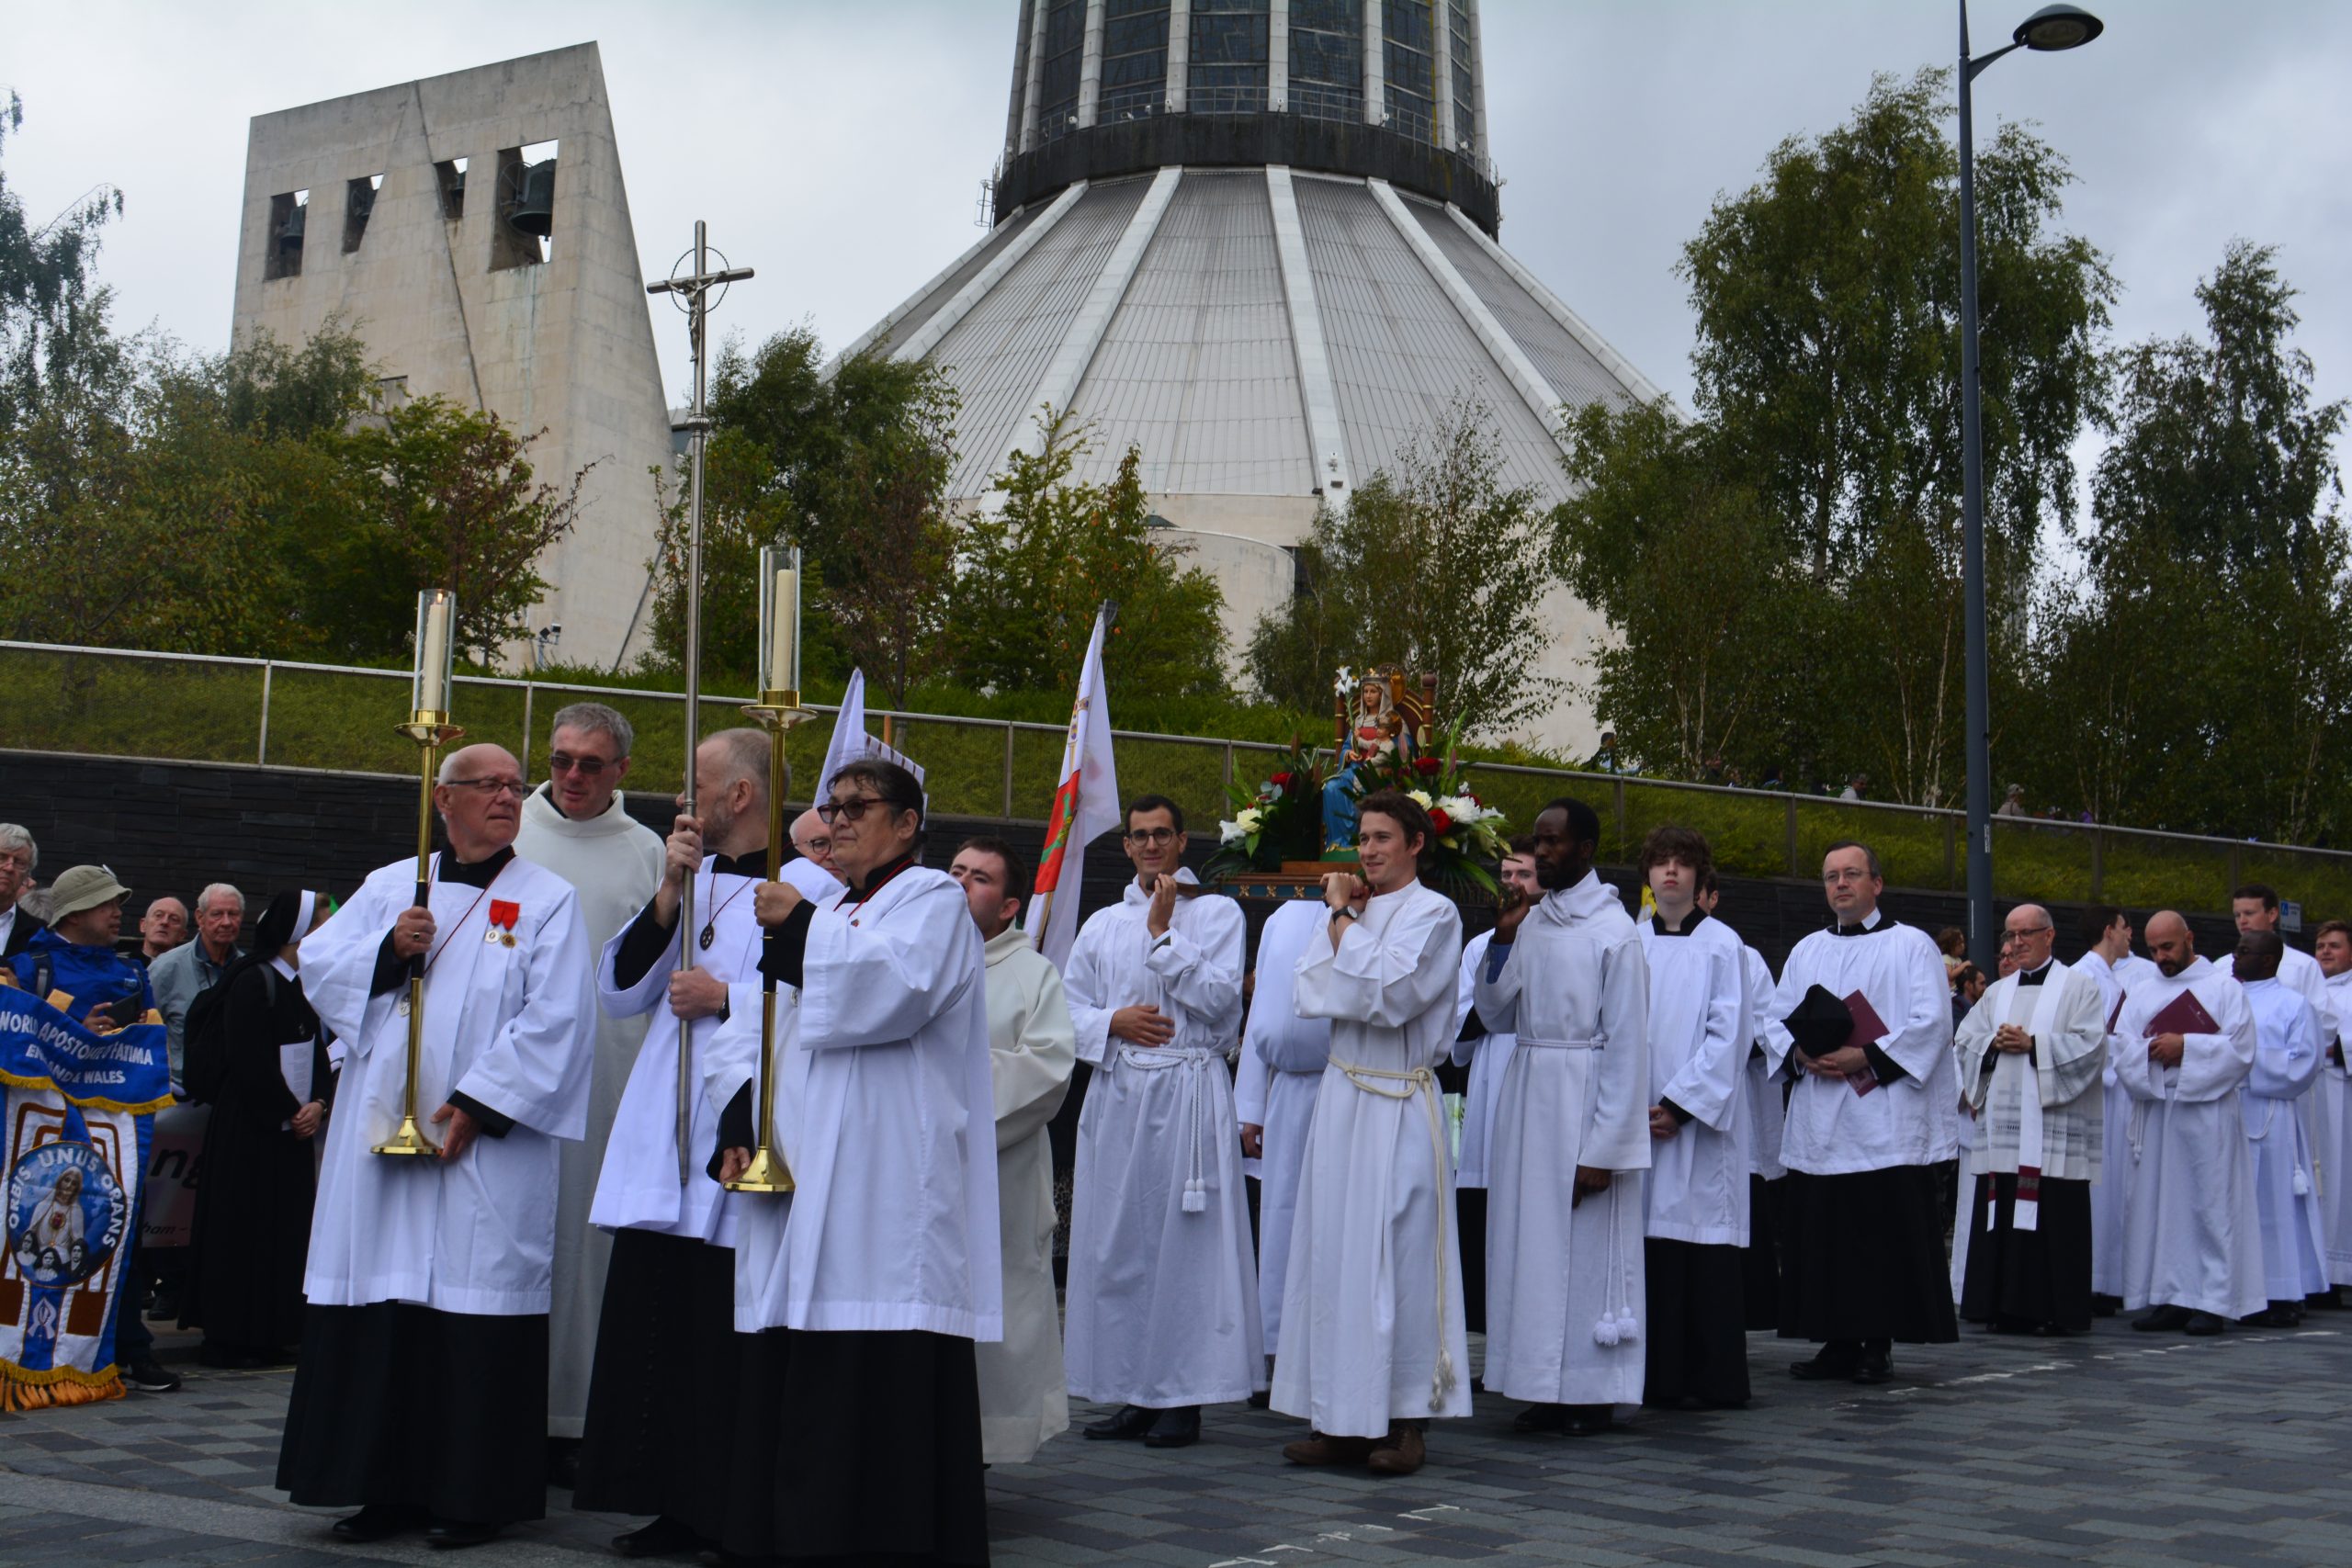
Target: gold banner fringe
(60, 1386)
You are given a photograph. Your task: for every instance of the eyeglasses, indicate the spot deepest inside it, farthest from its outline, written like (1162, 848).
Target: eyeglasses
(2016, 939)
(849, 810)
(812, 848)
(487, 788)
(586, 767)
(1153, 836)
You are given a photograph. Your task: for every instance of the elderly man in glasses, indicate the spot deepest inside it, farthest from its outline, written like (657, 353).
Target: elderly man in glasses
(2031, 1053)
(423, 1389)
(577, 826)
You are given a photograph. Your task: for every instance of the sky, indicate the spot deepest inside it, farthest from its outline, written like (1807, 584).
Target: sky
(839, 149)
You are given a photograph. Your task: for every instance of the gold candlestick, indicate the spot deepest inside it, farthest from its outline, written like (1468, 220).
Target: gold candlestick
(778, 712)
(429, 726)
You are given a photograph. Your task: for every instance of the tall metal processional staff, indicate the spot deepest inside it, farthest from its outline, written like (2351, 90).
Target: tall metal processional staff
(693, 291)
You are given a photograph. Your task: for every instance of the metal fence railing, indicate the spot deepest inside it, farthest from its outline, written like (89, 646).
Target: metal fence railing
(112, 701)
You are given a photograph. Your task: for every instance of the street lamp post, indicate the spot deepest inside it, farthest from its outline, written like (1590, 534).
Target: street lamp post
(2051, 28)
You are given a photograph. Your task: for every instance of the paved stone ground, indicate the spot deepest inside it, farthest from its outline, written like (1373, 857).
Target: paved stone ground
(2109, 1449)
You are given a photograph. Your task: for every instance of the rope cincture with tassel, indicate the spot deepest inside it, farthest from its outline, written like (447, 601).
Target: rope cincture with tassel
(1421, 1081)
(1617, 1325)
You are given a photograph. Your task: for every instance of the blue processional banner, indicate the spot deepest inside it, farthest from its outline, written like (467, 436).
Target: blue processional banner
(81, 1106)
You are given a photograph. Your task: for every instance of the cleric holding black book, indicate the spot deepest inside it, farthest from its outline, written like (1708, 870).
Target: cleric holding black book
(1862, 1024)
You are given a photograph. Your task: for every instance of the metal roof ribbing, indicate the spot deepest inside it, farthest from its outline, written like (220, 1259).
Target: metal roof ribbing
(1400, 351)
(996, 353)
(1576, 378)
(951, 283)
(1196, 369)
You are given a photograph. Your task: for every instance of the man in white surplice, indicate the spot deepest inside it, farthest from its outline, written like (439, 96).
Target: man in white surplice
(1487, 1053)
(1283, 1058)
(1162, 1304)
(2106, 931)
(2031, 1054)
(2285, 1065)
(2192, 1243)
(2332, 1117)
(1024, 1398)
(1697, 1190)
(1765, 1108)
(578, 825)
(430, 1276)
(867, 1288)
(1375, 1344)
(1564, 1273)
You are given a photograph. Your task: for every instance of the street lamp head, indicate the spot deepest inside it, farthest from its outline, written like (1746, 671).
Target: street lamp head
(2055, 27)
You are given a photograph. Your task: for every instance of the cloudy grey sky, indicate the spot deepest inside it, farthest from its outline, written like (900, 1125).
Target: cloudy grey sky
(840, 147)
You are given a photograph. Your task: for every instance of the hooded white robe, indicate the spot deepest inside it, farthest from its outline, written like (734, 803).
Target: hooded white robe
(1031, 1052)
(1574, 990)
(2285, 1065)
(1372, 1303)
(2193, 1234)
(1698, 1033)
(1283, 1058)
(1162, 1304)
(508, 1026)
(2332, 1140)
(2114, 1182)
(613, 863)
(1487, 1057)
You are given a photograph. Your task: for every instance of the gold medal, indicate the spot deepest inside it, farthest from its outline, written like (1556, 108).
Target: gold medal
(507, 938)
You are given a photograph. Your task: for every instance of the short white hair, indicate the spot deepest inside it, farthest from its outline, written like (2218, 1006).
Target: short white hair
(220, 890)
(12, 837)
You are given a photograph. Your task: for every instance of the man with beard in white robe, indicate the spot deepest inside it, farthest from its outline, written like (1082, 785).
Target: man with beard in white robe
(1283, 1060)
(1572, 1138)
(1875, 1109)
(2106, 931)
(1163, 1291)
(1033, 1050)
(662, 1402)
(2183, 1047)
(868, 1285)
(1765, 1108)
(422, 1388)
(2031, 1054)
(1488, 1055)
(2285, 1065)
(577, 826)
(2332, 1117)
(1375, 1344)
(1697, 1190)
(2255, 907)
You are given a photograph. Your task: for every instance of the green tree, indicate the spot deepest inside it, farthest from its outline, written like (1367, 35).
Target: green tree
(55, 341)
(1031, 570)
(1434, 564)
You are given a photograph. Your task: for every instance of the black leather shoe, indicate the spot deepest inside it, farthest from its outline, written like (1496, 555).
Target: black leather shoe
(2202, 1325)
(376, 1521)
(455, 1534)
(1132, 1421)
(665, 1537)
(1177, 1428)
(1585, 1420)
(2162, 1320)
(1261, 1399)
(1835, 1364)
(1541, 1418)
(1876, 1366)
(2106, 1306)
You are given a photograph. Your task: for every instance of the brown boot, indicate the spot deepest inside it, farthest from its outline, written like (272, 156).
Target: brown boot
(1320, 1449)
(1399, 1453)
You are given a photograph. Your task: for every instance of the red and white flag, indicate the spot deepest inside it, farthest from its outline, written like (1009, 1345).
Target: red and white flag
(1086, 806)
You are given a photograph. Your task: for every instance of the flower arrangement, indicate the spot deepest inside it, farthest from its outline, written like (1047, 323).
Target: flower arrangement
(1280, 819)
(1469, 832)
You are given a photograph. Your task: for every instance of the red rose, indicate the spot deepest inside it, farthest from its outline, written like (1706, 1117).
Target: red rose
(1441, 823)
(1282, 779)
(1428, 764)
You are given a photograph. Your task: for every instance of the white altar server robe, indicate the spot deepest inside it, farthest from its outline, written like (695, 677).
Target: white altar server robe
(638, 1189)
(1162, 1304)
(882, 1102)
(2285, 1065)
(1031, 1053)
(1766, 1106)
(1372, 1306)
(508, 1026)
(2193, 1234)
(1488, 1055)
(1576, 990)
(2299, 973)
(1832, 1131)
(1698, 1033)
(1290, 1053)
(2332, 1137)
(2114, 1180)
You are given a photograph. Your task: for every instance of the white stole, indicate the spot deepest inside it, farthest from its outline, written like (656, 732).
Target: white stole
(2025, 1214)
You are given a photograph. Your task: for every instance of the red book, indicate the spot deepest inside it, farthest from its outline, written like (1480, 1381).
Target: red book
(2183, 1015)
(1868, 1030)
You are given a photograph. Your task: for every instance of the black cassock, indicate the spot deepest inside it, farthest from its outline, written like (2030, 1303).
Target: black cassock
(258, 1182)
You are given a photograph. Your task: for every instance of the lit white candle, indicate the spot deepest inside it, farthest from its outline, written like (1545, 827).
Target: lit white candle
(434, 610)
